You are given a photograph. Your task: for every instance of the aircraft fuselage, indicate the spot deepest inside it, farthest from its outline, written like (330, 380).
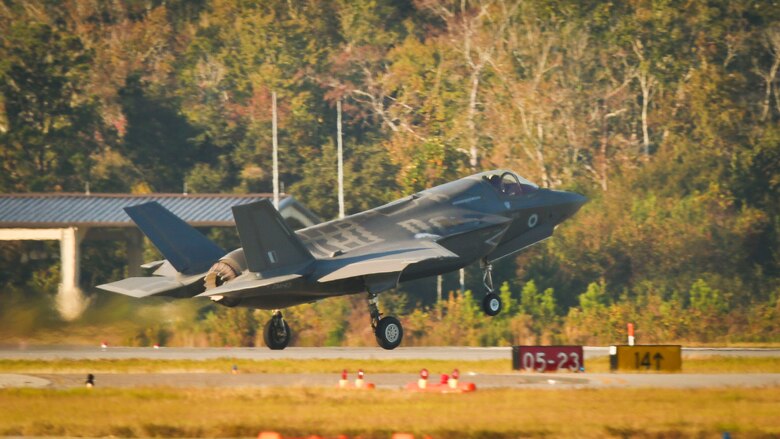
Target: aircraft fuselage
(470, 217)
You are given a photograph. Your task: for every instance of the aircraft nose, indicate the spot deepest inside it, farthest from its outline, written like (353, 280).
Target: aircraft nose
(571, 202)
(577, 202)
(577, 199)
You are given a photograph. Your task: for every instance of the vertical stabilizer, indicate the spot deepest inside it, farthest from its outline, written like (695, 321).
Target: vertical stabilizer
(184, 247)
(270, 246)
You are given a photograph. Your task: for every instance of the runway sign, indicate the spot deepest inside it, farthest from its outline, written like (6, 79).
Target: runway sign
(548, 358)
(661, 358)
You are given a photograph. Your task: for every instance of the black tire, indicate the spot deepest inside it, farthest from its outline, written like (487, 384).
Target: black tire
(491, 304)
(389, 333)
(272, 337)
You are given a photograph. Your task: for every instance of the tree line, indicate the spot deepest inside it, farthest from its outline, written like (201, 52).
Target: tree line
(664, 113)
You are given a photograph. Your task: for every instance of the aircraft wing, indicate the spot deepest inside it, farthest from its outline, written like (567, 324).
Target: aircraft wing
(181, 286)
(386, 260)
(238, 286)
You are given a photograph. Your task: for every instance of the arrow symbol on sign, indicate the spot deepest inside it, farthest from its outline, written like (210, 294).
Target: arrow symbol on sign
(658, 357)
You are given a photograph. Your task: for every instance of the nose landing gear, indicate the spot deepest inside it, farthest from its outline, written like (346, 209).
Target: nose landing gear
(388, 329)
(491, 303)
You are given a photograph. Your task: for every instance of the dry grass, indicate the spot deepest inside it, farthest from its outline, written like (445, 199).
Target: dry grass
(304, 411)
(721, 364)
(223, 412)
(699, 364)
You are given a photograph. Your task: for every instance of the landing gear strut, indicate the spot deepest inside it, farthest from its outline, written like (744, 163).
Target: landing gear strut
(491, 303)
(277, 332)
(388, 329)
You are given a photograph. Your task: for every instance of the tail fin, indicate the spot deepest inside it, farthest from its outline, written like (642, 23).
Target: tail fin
(269, 245)
(184, 247)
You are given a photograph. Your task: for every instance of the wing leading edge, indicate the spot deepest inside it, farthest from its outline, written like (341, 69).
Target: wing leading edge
(236, 287)
(387, 260)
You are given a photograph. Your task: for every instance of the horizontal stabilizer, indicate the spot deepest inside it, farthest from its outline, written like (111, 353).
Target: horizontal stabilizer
(270, 246)
(238, 286)
(156, 286)
(388, 261)
(186, 248)
(154, 265)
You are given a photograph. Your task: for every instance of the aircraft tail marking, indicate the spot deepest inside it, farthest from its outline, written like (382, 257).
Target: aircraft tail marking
(186, 248)
(270, 246)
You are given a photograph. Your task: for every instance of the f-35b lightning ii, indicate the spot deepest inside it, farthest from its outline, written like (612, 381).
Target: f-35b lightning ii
(484, 217)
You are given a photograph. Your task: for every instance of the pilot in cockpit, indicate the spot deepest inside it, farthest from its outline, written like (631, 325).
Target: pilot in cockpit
(510, 184)
(495, 181)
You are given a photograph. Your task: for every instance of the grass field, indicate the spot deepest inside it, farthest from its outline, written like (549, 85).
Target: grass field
(300, 412)
(700, 364)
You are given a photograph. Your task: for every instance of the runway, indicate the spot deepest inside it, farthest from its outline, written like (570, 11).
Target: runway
(516, 380)
(309, 353)
(519, 380)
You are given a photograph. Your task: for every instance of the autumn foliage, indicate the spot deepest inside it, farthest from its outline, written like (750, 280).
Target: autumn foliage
(665, 114)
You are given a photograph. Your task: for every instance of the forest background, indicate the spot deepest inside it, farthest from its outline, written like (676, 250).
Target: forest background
(664, 113)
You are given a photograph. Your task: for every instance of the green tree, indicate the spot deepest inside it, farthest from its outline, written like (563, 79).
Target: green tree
(242, 52)
(157, 139)
(540, 306)
(52, 125)
(368, 180)
(536, 303)
(706, 299)
(594, 299)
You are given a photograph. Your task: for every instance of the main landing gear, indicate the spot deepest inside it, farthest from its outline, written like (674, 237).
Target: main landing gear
(277, 332)
(388, 329)
(491, 303)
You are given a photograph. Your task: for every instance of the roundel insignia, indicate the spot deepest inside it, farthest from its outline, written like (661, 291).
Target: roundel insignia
(532, 220)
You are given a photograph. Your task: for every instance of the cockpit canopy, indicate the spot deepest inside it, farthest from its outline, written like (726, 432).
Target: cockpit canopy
(510, 184)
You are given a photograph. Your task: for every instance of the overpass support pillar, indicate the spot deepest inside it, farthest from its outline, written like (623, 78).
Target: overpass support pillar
(70, 300)
(135, 252)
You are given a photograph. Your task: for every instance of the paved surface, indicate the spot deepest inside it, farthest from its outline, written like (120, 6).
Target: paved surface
(293, 353)
(366, 353)
(513, 380)
(394, 381)
(8, 380)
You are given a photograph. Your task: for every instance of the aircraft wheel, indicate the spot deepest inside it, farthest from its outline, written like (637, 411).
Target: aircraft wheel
(274, 337)
(491, 304)
(389, 333)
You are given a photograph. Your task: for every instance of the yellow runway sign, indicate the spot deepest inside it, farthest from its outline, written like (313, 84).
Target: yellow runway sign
(659, 358)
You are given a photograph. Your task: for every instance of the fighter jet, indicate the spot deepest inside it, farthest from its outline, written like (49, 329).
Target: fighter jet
(481, 218)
